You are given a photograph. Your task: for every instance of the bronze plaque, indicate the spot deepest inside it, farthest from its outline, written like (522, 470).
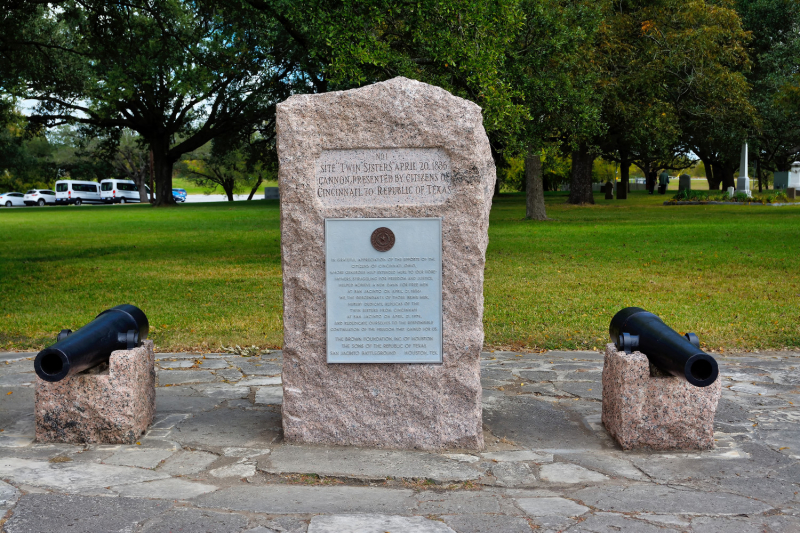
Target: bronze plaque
(382, 239)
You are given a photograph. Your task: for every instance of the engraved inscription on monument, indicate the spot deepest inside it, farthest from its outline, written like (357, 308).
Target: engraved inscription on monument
(387, 176)
(384, 303)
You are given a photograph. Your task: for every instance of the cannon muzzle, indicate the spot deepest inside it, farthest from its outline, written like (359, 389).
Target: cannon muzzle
(120, 328)
(633, 328)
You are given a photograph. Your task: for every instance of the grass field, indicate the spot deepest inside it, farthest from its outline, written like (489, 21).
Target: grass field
(192, 187)
(210, 275)
(700, 184)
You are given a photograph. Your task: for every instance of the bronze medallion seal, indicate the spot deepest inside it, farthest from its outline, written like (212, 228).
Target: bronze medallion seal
(382, 239)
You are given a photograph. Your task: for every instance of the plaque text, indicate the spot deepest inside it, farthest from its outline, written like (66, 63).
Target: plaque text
(383, 306)
(388, 176)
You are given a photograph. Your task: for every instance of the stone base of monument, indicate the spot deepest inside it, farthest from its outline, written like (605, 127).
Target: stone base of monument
(743, 185)
(109, 404)
(660, 412)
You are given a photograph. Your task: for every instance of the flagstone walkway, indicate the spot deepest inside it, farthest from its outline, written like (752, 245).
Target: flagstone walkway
(214, 461)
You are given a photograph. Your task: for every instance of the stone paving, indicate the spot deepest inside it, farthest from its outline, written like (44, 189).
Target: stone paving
(214, 461)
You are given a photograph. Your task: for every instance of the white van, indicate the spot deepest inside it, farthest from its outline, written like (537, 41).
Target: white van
(77, 192)
(114, 191)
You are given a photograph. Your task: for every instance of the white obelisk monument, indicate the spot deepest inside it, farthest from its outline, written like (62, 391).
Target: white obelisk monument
(743, 183)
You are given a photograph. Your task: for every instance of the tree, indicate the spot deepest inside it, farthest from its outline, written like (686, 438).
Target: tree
(26, 156)
(131, 159)
(233, 163)
(81, 154)
(672, 82)
(534, 189)
(555, 77)
(775, 52)
(555, 172)
(580, 186)
(459, 45)
(178, 73)
(215, 169)
(183, 73)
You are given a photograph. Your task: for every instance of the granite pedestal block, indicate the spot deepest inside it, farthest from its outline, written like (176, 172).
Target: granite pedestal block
(658, 412)
(111, 404)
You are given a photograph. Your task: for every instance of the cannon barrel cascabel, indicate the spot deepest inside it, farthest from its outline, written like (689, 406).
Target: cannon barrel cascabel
(633, 328)
(120, 328)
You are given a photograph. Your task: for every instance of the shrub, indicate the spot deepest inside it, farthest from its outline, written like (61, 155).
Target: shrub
(740, 197)
(690, 196)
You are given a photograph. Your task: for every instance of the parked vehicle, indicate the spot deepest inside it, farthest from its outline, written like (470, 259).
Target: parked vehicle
(114, 191)
(10, 199)
(40, 197)
(179, 195)
(77, 192)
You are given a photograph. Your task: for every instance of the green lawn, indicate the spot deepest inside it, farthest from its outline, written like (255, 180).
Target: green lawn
(192, 188)
(731, 274)
(205, 274)
(701, 184)
(210, 275)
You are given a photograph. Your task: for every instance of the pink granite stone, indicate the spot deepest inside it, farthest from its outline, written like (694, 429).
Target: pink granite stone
(409, 124)
(112, 406)
(657, 412)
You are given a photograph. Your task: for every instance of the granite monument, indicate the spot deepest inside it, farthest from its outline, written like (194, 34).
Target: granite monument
(684, 182)
(385, 197)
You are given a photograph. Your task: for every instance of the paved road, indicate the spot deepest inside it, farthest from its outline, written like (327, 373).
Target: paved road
(215, 461)
(196, 198)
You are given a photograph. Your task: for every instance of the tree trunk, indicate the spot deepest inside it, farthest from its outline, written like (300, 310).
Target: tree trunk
(713, 175)
(727, 176)
(580, 188)
(624, 177)
(255, 188)
(141, 182)
(227, 186)
(652, 179)
(649, 175)
(143, 192)
(152, 185)
(758, 174)
(534, 188)
(162, 171)
(497, 187)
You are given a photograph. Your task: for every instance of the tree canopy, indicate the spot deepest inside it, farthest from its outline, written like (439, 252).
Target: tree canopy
(649, 82)
(775, 81)
(177, 73)
(672, 82)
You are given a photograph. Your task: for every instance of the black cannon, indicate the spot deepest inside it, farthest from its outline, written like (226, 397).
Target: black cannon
(633, 328)
(120, 328)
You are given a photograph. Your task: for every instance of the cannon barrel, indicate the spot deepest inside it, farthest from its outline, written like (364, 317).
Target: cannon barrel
(120, 328)
(633, 328)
